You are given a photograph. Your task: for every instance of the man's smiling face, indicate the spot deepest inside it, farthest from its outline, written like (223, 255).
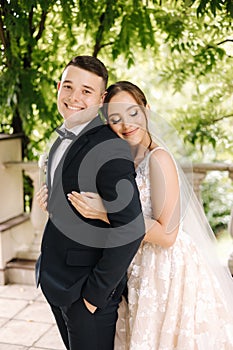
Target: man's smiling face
(78, 90)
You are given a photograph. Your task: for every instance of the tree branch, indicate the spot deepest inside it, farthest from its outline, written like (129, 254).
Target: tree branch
(30, 18)
(220, 43)
(223, 117)
(106, 44)
(99, 36)
(100, 32)
(225, 41)
(41, 25)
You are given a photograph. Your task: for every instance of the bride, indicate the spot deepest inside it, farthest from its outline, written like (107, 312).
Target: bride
(179, 296)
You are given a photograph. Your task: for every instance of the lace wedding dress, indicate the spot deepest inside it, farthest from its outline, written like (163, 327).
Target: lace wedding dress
(174, 299)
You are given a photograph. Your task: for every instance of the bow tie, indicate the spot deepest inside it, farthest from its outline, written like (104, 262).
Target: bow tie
(65, 134)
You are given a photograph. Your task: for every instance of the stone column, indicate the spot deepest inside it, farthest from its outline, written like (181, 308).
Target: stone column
(195, 176)
(37, 216)
(198, 178)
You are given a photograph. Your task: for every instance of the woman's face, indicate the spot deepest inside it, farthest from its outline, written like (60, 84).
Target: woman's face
(127, 119)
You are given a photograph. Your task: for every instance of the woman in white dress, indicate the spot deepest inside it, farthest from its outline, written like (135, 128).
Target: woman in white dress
(179, 296)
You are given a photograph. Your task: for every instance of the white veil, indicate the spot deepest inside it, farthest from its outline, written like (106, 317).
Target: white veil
(193, 218)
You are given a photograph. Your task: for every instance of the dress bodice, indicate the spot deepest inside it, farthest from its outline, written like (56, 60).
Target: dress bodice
(143, 180)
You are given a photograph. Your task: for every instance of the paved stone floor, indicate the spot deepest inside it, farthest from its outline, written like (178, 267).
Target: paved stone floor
(26, 322)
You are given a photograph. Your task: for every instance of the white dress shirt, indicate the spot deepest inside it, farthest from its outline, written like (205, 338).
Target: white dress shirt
(63, 147)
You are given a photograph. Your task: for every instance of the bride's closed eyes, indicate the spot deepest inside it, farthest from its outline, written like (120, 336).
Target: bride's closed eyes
(116, 118)
(134, 112)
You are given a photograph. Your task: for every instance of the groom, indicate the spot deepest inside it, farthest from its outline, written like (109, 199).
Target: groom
(83, 262)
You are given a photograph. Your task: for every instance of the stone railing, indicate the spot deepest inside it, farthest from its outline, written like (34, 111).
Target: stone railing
(199, 172)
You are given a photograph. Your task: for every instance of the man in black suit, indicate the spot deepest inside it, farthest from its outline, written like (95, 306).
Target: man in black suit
(83, 262)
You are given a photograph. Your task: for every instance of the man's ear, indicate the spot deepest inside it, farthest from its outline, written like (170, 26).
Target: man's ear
(102, 98)
(58, 85)
(148, 106)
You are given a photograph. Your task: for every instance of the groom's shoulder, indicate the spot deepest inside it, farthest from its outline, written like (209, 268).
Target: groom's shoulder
(106, 132)
(112, 144)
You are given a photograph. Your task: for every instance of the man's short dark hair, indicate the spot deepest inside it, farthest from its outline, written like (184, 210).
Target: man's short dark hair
(91, 64)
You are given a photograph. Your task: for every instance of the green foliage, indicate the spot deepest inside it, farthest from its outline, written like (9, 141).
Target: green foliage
(215, 6)
(217, 196)
(22, 83)
(36, 36)
(206, 119)
(39, 37)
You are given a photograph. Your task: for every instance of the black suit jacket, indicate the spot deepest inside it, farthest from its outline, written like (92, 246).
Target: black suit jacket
(84, 257)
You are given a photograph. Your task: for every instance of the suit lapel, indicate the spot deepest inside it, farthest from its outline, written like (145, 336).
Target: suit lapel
(82, 139)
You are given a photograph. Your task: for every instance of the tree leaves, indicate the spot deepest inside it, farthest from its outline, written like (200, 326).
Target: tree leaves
(39, 37)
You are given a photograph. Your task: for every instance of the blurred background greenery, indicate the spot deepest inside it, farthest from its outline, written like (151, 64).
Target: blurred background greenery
(179, 52)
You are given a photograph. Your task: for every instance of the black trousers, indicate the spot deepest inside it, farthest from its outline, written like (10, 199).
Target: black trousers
(82, 330)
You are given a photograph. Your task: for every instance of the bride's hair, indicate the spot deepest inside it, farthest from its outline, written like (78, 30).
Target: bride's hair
(129, 87)
(134, 91)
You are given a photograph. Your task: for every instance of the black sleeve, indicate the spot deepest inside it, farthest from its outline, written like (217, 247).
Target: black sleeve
(116, 184)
